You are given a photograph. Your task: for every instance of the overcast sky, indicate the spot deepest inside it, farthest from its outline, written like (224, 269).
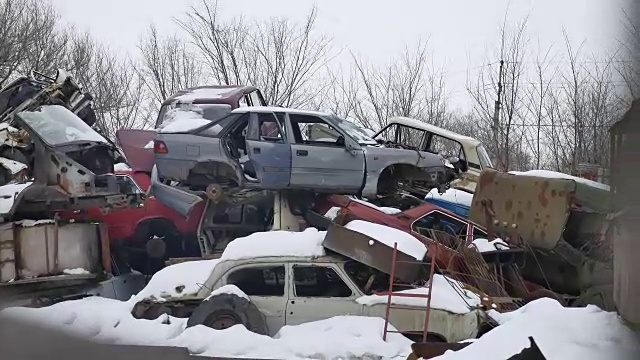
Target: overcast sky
(459, 31)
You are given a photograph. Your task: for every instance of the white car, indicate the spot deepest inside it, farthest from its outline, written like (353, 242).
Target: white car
(266, 293)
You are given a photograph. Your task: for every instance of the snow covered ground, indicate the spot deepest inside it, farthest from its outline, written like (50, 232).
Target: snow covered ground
(561, 333)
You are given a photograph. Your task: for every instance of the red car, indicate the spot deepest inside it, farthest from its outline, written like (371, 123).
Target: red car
(152, 229)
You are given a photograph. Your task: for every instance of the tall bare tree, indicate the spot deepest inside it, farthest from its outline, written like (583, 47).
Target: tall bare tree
(167, 65)
(507, 139)
(279, 57)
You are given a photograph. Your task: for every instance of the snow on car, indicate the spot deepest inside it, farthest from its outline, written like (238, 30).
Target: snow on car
(268, 280)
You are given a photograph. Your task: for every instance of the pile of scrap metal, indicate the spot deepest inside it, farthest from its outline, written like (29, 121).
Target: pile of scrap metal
(53, 159)
(48, 146)
(561, 222)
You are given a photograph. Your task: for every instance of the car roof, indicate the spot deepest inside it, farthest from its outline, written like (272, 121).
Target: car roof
(209, 93)
(248, 109)
(432, 128)
(331, 257)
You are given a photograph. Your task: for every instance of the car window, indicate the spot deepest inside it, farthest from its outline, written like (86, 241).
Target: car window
(485, 160)
(216, 127)
(312, 130)
(318, 281)
(479, 233)
(269, 128)
(446, 147)
(259, 280)
(127, 185)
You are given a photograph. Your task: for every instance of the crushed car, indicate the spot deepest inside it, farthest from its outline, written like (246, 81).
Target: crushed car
(268, 148)
(46, 133)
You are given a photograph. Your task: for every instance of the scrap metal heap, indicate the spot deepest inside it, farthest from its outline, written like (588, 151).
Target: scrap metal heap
(48, 145)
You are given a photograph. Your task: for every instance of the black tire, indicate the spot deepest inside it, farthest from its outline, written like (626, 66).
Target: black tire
(229, 306)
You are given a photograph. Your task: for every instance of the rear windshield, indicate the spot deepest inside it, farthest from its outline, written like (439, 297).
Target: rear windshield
(209, 111)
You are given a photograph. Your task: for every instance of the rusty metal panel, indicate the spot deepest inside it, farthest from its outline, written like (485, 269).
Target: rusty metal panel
(370, 252)
(48, 249)
(534, 208)
(7, 253)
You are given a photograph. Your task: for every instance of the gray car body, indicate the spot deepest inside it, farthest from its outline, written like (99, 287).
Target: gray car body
(353, 169)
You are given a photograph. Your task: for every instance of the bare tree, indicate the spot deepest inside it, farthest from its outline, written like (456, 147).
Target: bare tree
(167, 65)
(280, 58)
(507, 139)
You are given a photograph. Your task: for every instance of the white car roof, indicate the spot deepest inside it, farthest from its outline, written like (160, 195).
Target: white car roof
(432, 128)
(247, 109)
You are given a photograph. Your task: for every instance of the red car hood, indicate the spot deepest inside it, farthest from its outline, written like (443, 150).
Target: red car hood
(133, 142)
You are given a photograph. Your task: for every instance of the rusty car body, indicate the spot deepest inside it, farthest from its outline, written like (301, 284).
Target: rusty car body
(70, 163)
(561, 219)
(449, 239)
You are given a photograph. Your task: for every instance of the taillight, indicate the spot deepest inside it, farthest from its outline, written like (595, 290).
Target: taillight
(159, 147)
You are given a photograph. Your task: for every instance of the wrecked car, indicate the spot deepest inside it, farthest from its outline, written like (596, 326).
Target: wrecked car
(212, 99)
(419, 135)
(264, 293)
(563, 221)
(70, 163)
(146, 235)
(211, 102)
(265, 148)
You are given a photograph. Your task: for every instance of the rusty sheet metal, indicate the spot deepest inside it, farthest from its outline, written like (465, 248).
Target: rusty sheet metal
(533, 208)
(357, 246)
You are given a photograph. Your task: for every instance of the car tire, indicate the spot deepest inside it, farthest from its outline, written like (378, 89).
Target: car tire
(225, 310)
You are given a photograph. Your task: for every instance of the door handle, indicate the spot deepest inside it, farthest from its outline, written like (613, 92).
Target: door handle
(302, 153)
(256, 150)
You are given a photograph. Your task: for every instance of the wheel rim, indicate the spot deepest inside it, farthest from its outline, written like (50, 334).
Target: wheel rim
(214, 192)
(156, 248)
(223, 322)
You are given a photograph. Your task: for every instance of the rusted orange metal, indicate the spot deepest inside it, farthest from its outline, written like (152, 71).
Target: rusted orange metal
(531, 207)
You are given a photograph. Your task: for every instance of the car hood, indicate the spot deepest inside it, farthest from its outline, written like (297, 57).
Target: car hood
(133, 142)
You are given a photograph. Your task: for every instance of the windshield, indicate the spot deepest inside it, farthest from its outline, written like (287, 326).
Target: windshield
(485, 160)
(356, 132)
(57, 125)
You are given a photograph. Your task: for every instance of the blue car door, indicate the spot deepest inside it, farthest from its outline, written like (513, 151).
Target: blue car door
(268, 151)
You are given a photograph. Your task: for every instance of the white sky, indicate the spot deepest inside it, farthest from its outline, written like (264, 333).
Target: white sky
(459, 31)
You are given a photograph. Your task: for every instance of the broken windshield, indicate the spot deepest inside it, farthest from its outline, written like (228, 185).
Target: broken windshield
(57, 125)
(356, 132)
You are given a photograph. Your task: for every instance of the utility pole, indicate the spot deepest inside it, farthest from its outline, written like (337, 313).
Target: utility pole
(496, 113)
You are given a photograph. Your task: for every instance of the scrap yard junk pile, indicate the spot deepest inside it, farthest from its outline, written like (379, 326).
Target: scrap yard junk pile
(53, 159)
(223, 167)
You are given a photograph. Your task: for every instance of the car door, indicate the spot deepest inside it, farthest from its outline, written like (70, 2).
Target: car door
(182, 201)
(268, 151)
(317, 292)
(324, 164)
(267, 285)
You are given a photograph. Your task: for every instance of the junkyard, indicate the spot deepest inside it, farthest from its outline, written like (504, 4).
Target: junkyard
(236, 222)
